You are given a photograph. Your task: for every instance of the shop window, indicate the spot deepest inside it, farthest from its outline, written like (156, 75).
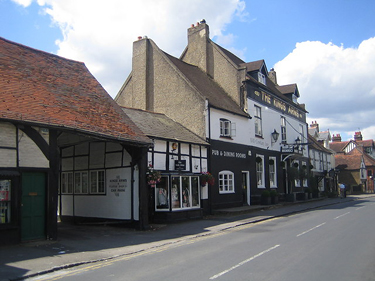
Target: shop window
(272, 172)
(227, 128)
(185, 192)
(226, 182)
(5, 204)
(81, 182)
(67, 183)
(97, 182)
(162, 194)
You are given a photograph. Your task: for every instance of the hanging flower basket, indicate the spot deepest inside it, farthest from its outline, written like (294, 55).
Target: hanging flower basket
(206, 177)
(153, 176)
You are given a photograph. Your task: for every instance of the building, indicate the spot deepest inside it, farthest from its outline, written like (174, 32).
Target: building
(233, 105)
(322, 160)
(322, 171)
(181, 157)
(355, 162)
(61, 153)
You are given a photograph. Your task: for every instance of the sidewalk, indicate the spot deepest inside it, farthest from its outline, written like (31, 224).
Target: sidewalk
(80, 244)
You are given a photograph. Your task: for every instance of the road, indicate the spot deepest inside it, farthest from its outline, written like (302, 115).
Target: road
(336, 242)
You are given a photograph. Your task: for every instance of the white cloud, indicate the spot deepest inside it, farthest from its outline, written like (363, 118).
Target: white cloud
(24, 3)
(101, 33)
(336, 83)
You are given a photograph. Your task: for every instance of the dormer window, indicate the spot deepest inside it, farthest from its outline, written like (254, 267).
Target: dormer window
(227, 128)
(261, 78)
(295, 99)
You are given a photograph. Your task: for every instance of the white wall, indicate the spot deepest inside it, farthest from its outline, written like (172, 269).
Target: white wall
(29, 153)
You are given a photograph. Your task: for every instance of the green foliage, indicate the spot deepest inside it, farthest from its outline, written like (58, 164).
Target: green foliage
(265, 193)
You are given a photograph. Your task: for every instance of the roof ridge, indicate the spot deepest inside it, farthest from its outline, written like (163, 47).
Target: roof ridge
(39, 51)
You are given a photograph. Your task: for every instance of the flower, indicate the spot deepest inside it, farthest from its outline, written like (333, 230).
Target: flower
(153, 176)
(207, 177)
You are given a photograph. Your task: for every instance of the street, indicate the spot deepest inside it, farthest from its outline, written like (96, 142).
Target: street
(334, 242)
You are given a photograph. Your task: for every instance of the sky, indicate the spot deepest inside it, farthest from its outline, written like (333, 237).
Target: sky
(326, 47)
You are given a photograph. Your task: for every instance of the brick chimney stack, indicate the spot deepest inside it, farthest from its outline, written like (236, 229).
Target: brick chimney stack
(315, 125)
(336, 138)
(357, 136)
(198, 38)
(272, 76)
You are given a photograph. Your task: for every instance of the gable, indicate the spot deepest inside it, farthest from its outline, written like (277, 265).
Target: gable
(41, 88)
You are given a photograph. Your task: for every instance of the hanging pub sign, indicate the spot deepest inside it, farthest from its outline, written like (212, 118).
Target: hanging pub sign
(180, 165)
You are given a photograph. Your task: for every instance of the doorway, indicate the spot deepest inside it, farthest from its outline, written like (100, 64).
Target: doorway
(33, 206)
(246, 187)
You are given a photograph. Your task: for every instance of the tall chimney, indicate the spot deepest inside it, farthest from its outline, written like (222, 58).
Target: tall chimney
(336, 138)
(197, 49)
(272, 76)
(314, 125)
(357, 136)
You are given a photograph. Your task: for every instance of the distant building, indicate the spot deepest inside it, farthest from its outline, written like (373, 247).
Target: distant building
(355, 161)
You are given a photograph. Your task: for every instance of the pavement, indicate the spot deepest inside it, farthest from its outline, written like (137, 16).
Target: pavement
(90, 243)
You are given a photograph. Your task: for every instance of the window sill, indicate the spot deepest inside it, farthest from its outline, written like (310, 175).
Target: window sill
(224, 137)
(226, 192)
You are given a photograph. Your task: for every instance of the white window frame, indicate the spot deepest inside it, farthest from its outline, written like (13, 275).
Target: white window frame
(258, 121)
(283, 129)
(304, 181)
(67, 181)
(226, 182)
(261, 78)
(259, 167)
(273, 173)
(188, 204)
(81, 184)
(227, 128)
(96, 183)
(297, 182)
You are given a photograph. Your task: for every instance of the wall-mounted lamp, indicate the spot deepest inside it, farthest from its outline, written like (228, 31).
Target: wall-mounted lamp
(275, 135)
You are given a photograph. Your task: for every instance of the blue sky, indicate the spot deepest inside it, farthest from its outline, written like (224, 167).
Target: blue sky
(326, 47)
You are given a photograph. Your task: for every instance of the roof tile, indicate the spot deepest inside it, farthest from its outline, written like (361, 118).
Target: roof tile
(42, 88)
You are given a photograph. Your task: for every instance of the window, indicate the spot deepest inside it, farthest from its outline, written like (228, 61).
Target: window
(67, 183)
(259, 160)
(262, 78)
(81, 183)
(283, 129)
(297, 181)
(304, 174)
(258, 121)
(5, 203)
(97, 182)
(227, 128)
(185, 192)
(272, 171)
(226, 182)
(301, 132)
(162, 196)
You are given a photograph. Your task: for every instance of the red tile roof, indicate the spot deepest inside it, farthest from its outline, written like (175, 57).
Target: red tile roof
(41, 88)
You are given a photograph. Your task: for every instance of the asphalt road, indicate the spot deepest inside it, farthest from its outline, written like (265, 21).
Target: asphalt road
(335, 242)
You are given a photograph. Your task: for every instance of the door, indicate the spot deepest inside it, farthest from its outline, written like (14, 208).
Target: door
(245, 187)
(33, 206)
